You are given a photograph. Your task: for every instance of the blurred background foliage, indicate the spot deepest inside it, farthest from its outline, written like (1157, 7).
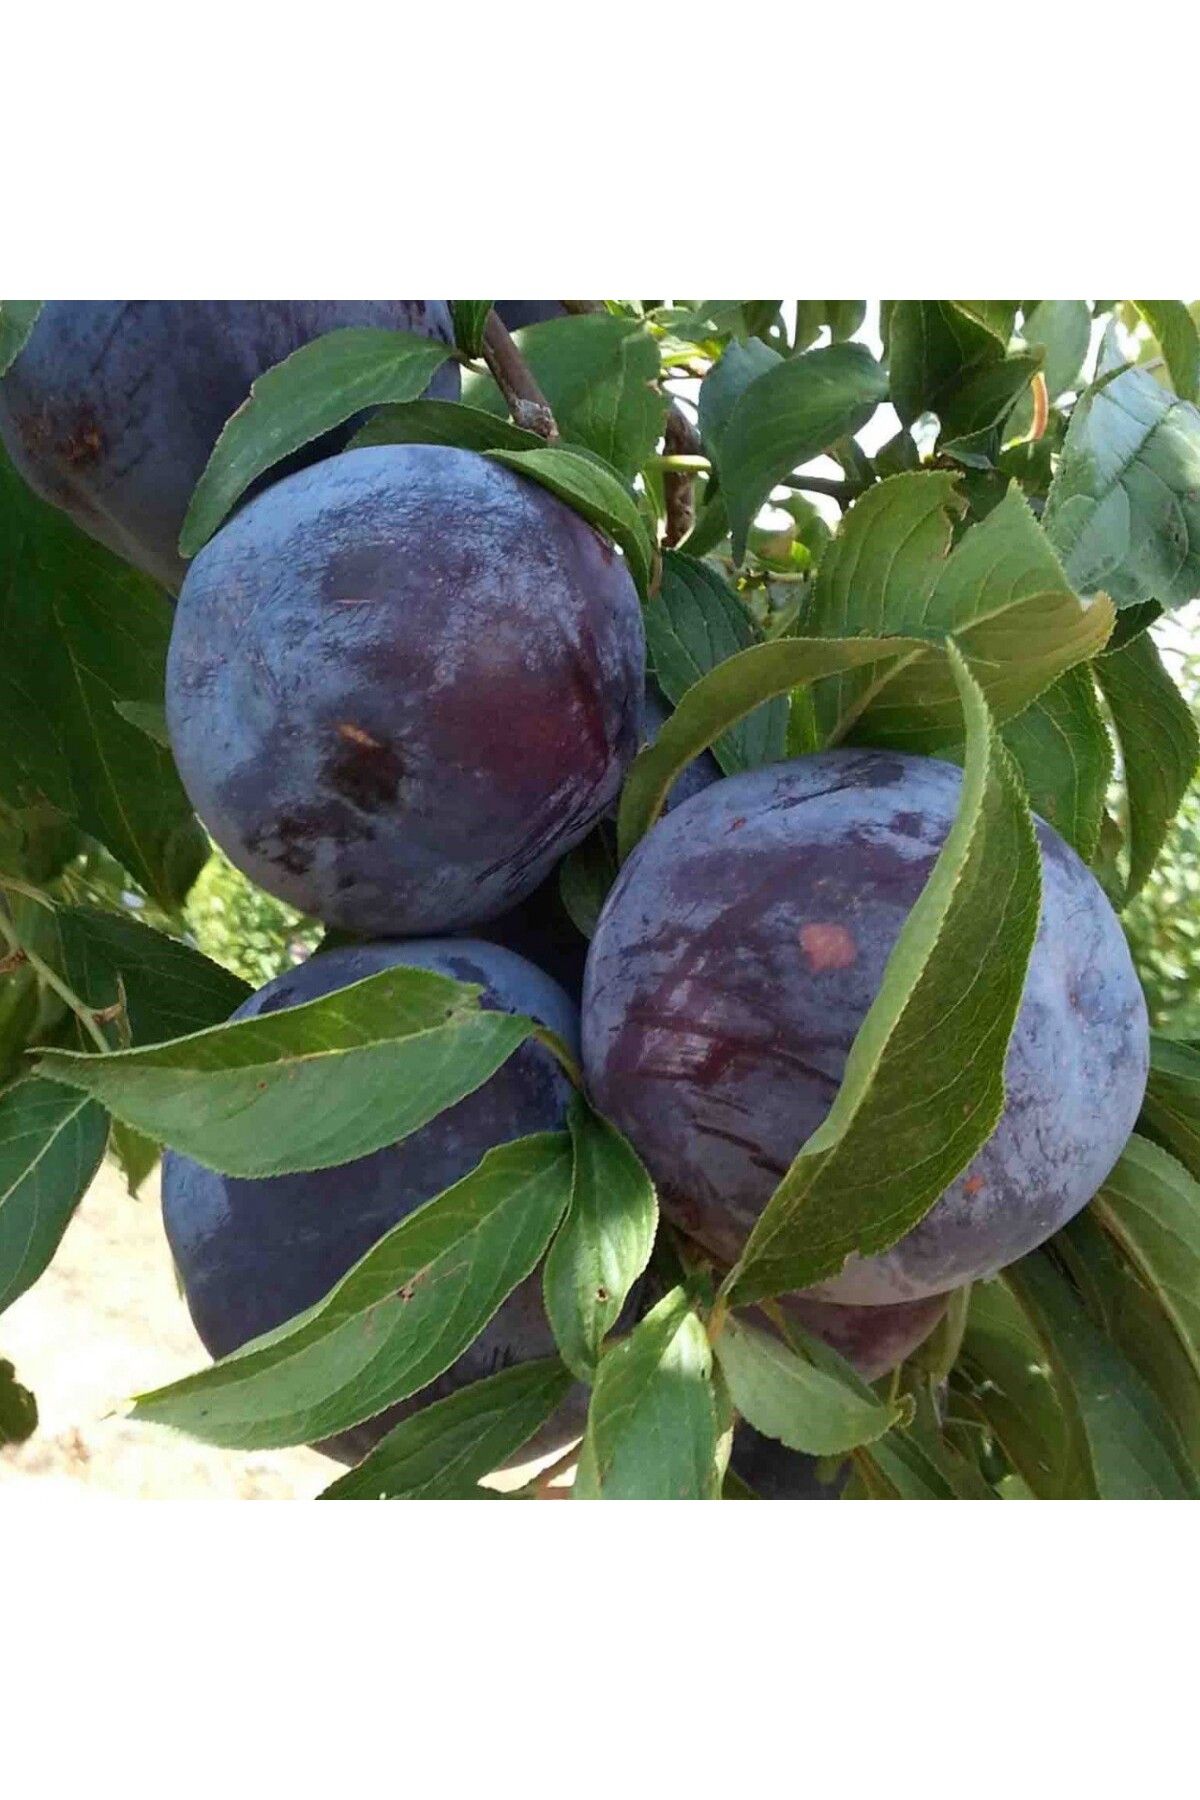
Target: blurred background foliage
(238, 925)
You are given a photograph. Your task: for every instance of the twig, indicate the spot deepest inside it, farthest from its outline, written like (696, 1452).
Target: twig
(527, 404)
(842, 491)
(680, 439)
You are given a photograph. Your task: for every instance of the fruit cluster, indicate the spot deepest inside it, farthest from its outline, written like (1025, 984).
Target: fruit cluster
(404, 683)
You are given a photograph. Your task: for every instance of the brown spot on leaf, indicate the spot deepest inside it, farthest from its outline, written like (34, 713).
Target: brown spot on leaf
(974, 1184)
(827, 946)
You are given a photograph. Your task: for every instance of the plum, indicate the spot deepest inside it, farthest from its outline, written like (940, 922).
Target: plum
(112, 408)
(875, 1339)
(402, 684)
(736, 957)
(517, 313)
(252, 1254)
(540, 927)
(774, 1472)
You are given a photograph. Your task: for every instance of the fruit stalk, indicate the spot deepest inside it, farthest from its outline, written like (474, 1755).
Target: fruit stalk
(526, 402)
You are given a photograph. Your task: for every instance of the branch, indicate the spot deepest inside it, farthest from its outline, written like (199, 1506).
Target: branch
(680, 438)
(527, 404)
(841, 491)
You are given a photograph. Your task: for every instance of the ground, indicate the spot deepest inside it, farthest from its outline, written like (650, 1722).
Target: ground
(105, 1322)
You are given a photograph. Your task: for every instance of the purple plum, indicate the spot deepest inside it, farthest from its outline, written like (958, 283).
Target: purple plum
(402, 685)
(112, 408)
(253, 1253)
(736, 958)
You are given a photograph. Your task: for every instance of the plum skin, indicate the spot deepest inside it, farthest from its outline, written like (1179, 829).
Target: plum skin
(515, 314)
(402, 684)
(540, 926)
(113, 407)
(253, 1253)
(738, 953)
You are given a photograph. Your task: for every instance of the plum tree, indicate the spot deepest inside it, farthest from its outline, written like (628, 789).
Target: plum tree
(436, 690)
(112, 408)
(252, 1254)
(736, 957)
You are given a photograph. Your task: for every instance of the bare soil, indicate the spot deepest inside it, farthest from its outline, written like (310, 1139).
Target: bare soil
(105, 1322)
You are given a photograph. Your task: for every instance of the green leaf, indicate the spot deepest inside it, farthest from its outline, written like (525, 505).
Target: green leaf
(109, 959)
(996, 316)
(441, 1452)
(470, 317)
(1003, 1378)
(603, 1244)
(310, 1086)
(789, 415)
(401, 1316)
(1171, 1108)
(1063, 750)
(1160, 747)
(1124, 508)
(652, 1425)
(732, 690)
(726, 382)
(1062, 331)
(820, 1407)
(51, 1143)
(17, 320)
(882, 566)
(973, 420)
(18, 1408)
(318, 387)
(443, 422)
(1122, 1440)
(1130, 1315)
(19, 1008)
(694, 622)
(924, 1081)
(149, 716)
(83, 632)
(1179, 341)
(136, 1156)
(1150, 1206)
(917, 1465)
(585, 876)
(592, 491)
(933, 346)
(599, 373)
(1000, 594)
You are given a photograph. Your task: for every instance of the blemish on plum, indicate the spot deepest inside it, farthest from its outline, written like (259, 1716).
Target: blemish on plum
(827, 947)
(365, 769)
